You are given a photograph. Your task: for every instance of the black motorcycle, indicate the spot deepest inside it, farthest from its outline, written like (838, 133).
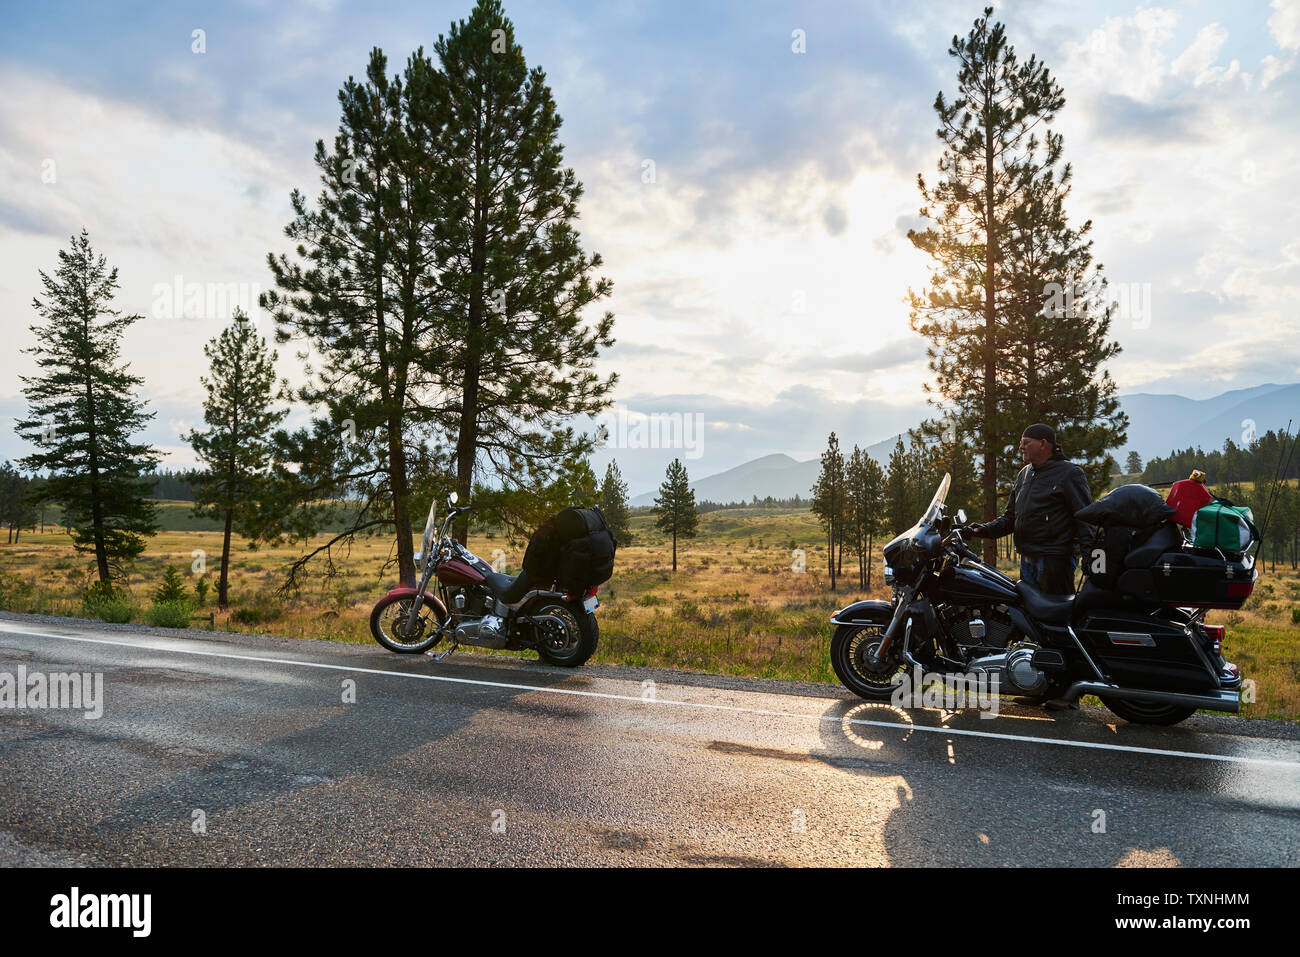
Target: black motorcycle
(1149, 659)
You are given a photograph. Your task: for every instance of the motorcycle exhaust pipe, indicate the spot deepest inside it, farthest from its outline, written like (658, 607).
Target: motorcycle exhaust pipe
(1228, 701)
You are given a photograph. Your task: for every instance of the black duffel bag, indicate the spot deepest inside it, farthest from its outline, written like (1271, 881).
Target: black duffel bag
(574, 550)
(1136, 506)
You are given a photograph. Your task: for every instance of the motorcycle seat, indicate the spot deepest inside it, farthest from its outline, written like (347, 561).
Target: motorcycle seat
(508, 589)
(1044, 607)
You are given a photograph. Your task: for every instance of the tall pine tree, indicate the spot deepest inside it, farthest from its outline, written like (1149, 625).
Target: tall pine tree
(82, 412)
(235, 448)
(515, 350)
(989, 145)
(675, 506)
(359, 290)
(1057, 319)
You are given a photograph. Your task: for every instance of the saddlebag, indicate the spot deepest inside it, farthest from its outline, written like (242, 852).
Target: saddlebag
(1144, 651)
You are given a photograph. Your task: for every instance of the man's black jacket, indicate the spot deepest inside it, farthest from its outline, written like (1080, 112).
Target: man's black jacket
(1041, 509)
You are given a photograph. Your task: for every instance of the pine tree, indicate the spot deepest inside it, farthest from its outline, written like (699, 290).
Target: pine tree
(989, 150)
(1056, 322)
(865, 492)
(900, 494)
(675, 506)
(359, 291)
(829, 498)
(235, 447)
(16, 509)
(613, 503)
(515, 352)
(82, 412)
(1133, 466)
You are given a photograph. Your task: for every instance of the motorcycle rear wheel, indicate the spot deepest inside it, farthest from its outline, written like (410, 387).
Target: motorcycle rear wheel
(571, 645)
(849, 648)
(388, 625)
(1142, 712)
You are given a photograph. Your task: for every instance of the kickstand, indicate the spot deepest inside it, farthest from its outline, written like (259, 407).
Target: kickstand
(444, 654)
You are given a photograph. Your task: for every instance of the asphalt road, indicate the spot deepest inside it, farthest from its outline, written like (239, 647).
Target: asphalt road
(478, 761)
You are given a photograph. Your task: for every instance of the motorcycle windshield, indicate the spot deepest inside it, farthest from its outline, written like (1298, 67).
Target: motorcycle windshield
(940, 495)
(430, 527)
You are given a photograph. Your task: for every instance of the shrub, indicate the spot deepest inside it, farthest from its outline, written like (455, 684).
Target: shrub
(261, 610)
(14, 592)
(170, 614)
(201, 591)
(172, 588)
(1295, 616)
(108, 602)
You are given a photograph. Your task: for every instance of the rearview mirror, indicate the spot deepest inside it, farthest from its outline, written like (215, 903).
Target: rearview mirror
(453, 498)
(961, 516)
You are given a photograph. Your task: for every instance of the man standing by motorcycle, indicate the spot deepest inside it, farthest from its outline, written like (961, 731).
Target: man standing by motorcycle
(1046, 494)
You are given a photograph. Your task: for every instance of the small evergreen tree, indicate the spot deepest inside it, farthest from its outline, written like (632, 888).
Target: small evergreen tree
(675, 506)
(613, 503)
(235, 447)
(82, 412)
(1133, 465)
(172, 587)
(829, 501)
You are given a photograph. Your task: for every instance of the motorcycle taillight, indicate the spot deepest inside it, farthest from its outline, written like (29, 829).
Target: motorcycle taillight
(591, 591)
(1215, 633)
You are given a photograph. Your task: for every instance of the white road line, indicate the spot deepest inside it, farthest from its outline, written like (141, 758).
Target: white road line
(1033, 739)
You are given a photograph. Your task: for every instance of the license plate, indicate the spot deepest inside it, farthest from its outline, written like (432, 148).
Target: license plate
(591, 604)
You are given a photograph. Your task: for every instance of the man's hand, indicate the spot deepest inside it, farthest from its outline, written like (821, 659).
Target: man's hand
(976, 530)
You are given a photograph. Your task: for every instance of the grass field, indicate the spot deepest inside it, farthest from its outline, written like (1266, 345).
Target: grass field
(737, 605)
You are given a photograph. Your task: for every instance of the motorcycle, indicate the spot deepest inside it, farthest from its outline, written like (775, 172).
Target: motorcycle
(1149, 662)
(476, 606)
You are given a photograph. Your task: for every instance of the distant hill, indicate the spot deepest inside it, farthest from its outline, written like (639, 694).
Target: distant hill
(777, 475)
(1158, 424)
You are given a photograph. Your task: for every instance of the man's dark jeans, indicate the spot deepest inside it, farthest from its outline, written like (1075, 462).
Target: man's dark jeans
(1053, 574)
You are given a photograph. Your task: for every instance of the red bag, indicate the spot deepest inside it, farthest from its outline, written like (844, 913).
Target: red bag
(1186, 497)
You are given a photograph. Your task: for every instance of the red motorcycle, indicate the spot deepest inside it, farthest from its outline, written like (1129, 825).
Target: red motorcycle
(477, 606)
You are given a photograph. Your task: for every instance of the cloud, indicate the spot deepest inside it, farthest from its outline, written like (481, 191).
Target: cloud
(1197, 59)
(1284, 24)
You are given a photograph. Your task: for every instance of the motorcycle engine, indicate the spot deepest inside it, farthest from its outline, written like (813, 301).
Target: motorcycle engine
(472, 602)
(472, 611)
(978, 630)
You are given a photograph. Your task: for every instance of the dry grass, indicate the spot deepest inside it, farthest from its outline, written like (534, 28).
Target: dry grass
(735, 606)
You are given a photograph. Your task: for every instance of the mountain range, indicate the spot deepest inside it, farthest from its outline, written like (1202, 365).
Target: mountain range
(1158, 424)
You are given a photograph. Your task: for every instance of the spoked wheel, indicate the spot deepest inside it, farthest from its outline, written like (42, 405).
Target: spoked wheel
(388, 626)
(1148, 712)
(565, 637)
(850, 648)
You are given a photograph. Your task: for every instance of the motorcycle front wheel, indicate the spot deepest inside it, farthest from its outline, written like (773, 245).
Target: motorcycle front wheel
(850, 647)
(388, 625)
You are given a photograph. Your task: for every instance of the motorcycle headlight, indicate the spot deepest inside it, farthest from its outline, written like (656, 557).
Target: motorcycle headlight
(889, 574)
(419, 558)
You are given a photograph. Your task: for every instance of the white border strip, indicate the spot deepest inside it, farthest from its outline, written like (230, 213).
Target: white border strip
(1033, 739)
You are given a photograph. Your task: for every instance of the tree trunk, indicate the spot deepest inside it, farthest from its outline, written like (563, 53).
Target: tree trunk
(223, 596)
(397, 481)
(870, 536)
(674, 550)
(990, 356)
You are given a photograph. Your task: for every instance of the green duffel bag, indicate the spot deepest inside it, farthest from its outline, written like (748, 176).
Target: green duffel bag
(1224, 526)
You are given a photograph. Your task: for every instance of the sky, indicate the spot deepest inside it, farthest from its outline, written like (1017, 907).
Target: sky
(760, 273)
